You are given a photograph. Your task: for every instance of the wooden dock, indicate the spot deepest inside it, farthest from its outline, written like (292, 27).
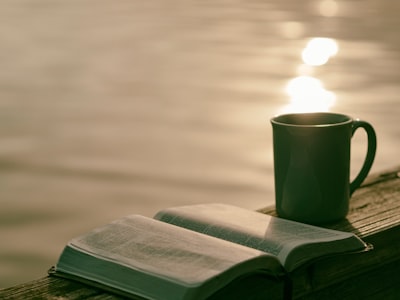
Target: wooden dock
(374, 216)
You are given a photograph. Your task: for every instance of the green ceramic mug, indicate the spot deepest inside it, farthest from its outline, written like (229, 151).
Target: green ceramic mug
(312, 165)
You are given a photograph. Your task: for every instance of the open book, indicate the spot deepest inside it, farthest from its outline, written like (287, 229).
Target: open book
(197, 252)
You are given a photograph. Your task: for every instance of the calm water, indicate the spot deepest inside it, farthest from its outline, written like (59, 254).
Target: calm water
(115, 107)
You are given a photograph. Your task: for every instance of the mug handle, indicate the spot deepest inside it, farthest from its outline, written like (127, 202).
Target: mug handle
(369, 159)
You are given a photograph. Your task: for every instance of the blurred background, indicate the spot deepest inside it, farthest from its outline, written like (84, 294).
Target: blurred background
(109, 108)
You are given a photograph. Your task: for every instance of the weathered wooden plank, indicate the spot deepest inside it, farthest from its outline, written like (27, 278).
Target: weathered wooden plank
(52, 288)
(380, 283)
(373, 215)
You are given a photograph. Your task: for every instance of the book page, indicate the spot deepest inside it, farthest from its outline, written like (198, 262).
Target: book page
(259, 231)
(164, 250)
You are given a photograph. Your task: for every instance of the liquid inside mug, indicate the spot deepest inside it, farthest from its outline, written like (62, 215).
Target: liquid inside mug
(312, 165)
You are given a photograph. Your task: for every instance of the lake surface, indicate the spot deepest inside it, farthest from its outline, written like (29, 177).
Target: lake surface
(109, 108)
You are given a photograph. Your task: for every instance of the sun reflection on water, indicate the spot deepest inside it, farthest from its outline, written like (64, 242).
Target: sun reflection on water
(318, 51)
(307, 93)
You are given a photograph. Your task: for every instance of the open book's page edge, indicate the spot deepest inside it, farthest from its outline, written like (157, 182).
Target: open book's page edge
(52, 272)
(290, 267)
(345, 239)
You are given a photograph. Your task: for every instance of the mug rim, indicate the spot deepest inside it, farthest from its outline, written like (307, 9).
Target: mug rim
(277, 119)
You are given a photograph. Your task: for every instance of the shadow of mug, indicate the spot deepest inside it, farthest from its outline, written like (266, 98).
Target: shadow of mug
(312, 165)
